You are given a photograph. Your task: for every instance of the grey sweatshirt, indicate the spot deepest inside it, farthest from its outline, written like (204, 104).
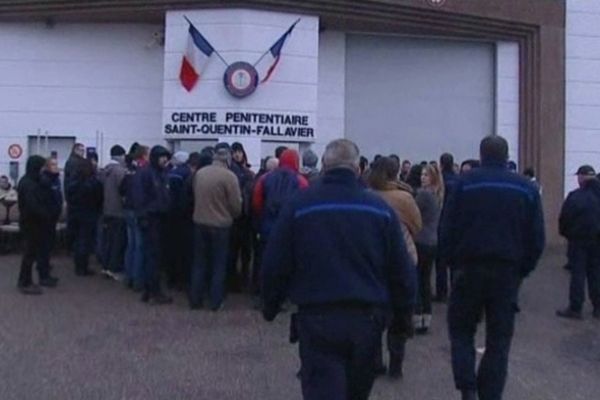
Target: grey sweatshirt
(430, 213)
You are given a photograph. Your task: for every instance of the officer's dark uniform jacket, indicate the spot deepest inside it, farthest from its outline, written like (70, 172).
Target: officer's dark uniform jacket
(580, 214)
(336, 243)
(493, 215)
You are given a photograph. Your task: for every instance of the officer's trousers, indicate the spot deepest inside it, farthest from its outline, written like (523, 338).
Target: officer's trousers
(584, 260)
(338, 352)
(478, 290)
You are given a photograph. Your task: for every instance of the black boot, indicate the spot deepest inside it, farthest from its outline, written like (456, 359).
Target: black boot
(569, 313)
(49, 282)
(469, 395)
(30, 289)
(395, 369)
(157, 299)
(396, 346)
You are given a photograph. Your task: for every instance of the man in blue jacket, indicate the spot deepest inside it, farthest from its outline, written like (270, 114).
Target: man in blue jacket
(492, 234)
(342, 285)
(580, 223)
(151, 200)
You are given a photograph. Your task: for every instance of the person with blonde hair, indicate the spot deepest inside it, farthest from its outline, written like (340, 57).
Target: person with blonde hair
(430, 198)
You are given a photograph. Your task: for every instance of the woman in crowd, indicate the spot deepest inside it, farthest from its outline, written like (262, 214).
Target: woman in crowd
(414, 177)
(429, 199)
(383, 179)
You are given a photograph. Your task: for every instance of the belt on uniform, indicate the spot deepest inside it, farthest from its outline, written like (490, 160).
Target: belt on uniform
(338, 306)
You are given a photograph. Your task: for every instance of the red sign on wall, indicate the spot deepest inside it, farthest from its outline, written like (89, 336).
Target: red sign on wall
(15, 151)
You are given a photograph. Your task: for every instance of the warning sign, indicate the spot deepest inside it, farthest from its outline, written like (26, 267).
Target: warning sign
(15, 151)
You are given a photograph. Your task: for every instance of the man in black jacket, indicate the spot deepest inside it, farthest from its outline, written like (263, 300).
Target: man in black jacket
(151, 200)
(342, 286)
(580, 223)
(36, 215)
(492, 234)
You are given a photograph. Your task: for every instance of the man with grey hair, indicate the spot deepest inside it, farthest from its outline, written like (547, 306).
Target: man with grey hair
(218, 201)
(342, 286)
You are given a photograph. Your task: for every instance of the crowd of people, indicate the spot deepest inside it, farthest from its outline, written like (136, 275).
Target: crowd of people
(206, 224)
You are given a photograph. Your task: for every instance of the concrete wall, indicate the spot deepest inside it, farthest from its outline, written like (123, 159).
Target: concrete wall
(77, 80)
(332, 89)
(583, 88)
(507, 96)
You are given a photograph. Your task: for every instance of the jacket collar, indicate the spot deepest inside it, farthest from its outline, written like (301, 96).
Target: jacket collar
(494, 164)
(340, 175)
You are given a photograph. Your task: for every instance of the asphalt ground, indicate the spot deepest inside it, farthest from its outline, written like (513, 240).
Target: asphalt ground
(91, 338)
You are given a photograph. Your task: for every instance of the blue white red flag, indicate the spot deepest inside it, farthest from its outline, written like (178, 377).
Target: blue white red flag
(196, 56)
(274, 53)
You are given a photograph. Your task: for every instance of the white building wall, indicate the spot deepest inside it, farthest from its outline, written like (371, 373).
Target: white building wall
(507, 96)
(78, 79)
(331, 98)
(583, 87)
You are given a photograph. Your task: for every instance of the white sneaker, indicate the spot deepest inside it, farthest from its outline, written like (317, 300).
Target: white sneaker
(426, 321)
(418, 321)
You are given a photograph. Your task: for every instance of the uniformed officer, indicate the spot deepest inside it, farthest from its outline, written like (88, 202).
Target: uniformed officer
(580, 223)
(492, 233)
(338, 253)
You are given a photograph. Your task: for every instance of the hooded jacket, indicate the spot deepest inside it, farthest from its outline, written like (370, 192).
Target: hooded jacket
(33, 208)
(580, 213)
(114, 173)
(289, 165)
(150, 189)
(177, 189)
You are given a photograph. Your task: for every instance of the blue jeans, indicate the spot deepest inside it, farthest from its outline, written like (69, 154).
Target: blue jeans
(134, 254)
(152, 228)
(211, 250)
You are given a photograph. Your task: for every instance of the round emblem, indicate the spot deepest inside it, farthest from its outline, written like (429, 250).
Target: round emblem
(15, 151)
(241, 79)
(436, 3)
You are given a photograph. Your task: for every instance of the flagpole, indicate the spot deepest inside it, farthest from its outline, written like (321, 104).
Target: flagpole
(214, 50)
(267, 52)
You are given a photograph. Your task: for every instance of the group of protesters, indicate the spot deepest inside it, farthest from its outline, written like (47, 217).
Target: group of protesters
(201, 221)
(206, 224)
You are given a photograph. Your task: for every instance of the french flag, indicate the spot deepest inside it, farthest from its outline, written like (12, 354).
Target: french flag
(275, 52)
(195, 58)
